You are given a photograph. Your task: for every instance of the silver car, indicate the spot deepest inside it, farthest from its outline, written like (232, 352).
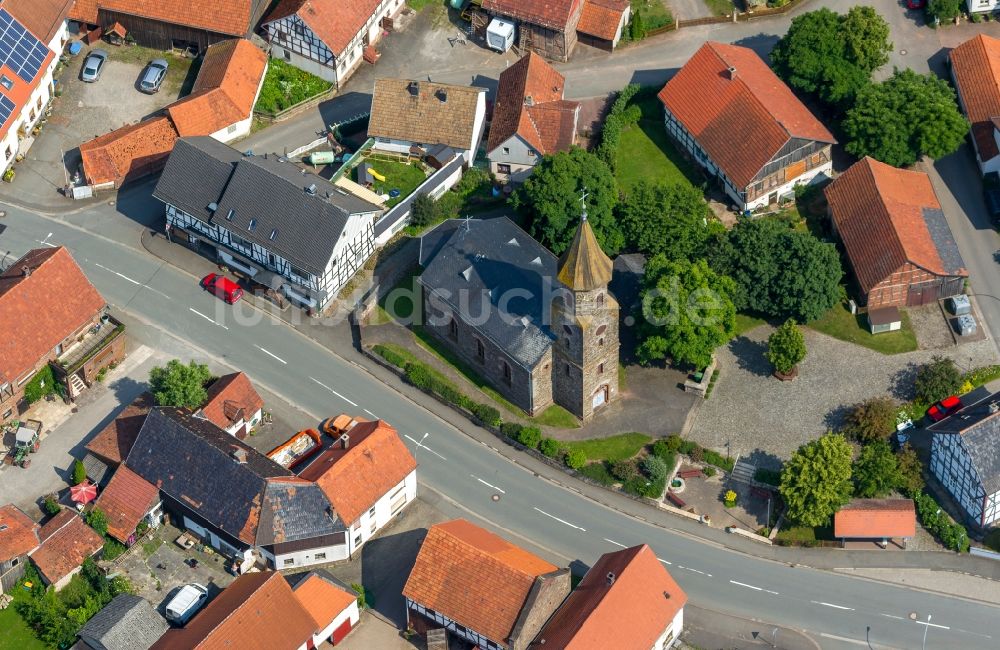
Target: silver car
(153, 76)
(186, 603)
(93, 65)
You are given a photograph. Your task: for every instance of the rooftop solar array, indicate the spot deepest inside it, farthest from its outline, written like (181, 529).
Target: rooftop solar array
(19, 50)
(6, 108)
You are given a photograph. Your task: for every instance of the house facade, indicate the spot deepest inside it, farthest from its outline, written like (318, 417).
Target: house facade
(70, 329)
(975, 72)
(964, 459)
(981, 6)
(233, 405)
(127, 501)
(552, 29)
(530, 119)
(744, 127)
(18, 538)
(332, 604)
(324, 37)
(263, 213)
(896, 236)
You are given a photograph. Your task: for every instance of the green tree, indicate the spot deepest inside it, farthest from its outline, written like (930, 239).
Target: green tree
(871, 420)
(576, 459)
(97, 520)
(937, 379)
(79, 472)
(636, 27)
(551, 197)
(907, 116)
(786, 347)
(655, 468)
(876, 471)
(816, 480)
(668, 218)
(911, 470)
(944, 9)
(179, 385)
(423, 210)
(687, 312)
(831, 55)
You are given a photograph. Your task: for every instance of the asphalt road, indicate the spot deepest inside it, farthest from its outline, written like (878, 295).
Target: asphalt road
(835, 609)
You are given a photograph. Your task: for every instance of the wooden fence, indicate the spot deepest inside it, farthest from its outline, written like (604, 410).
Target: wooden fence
(742, 16)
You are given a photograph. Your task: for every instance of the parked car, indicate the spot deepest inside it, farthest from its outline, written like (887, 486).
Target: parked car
(944, 408)
(188, 600)
(93, 65)
(222, 287)
(915, 4)
(991, 195)
(153, 75)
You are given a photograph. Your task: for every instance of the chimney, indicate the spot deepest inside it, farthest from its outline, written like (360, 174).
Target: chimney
(442, 95)
(611, 578)
(731, 72)
(994, 407)
(311, 189)
(414, 88)
(529, 100)
(240, 455)
(345, 441)
(25, 271)
(666, 594)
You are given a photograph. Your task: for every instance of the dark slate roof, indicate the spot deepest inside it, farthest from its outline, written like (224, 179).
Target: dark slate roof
(97, 470)
(979, 425)
(126, 623)
(267, 191)
(944, 240)
(295, 509)
(294, 579)
(484, 260)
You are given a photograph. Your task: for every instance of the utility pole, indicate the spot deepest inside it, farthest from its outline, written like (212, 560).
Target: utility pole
(923, 646)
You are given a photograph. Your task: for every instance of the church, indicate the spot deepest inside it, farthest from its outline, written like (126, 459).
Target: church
(542, 330)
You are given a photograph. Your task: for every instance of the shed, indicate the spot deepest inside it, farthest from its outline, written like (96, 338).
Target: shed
(959, 305)
(500, 34)
(884, 319)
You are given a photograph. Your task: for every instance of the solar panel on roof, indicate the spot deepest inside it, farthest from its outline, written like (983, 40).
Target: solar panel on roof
(19, 50)
(6, 108)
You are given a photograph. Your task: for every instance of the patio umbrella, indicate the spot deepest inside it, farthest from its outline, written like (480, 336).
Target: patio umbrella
(83, 493)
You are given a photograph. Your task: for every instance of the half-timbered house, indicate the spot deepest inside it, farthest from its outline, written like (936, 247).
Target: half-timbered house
(965, 461)
(265, 214)
(324, 37)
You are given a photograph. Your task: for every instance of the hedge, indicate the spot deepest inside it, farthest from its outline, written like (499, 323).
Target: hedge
(549, 447)
(939, 524)
(979, 376)
(576, 459)
(41, 385)
(530, 437)
(598, 472)
(620, 117)
(486, 414)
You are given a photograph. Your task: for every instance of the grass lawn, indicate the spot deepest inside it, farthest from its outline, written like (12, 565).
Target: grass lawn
(16, 635)
(286, 85)
(720, 7)
(612, 448)
(841, 324)
(805, 534)
(398, 176)
(746, 322)
(646, 153)
(418, 5)
(654, 13)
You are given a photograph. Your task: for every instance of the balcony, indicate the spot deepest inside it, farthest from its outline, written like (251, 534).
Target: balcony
(96, 339)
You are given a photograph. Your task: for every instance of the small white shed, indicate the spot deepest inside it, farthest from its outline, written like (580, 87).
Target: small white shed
(500, 34)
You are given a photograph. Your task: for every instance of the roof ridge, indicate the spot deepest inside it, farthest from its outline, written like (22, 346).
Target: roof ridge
(991, 61)
(493, 558)
(753, 95)
(869, 168)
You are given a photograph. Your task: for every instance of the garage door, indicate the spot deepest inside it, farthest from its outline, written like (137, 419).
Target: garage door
(341, 632)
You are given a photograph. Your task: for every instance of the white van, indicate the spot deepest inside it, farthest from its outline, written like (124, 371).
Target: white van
(187, 601)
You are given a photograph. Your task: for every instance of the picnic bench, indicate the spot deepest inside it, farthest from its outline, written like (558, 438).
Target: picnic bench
(675, 499)
(690, 473)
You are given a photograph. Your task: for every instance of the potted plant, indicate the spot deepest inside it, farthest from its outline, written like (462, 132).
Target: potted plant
(786, 348)
(8, 176)
(730, 499)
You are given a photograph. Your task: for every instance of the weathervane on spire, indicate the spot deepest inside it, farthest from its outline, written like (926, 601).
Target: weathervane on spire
(583, 202)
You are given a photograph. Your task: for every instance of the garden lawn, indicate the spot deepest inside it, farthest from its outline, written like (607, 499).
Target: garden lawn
(719, 7)
(398, 176)
(14, 632)
(654, 13)
(745, 323)
(398, 304)
(841, 324)
(612, 448)
(646, 153)
(285, 85)
(805, 535)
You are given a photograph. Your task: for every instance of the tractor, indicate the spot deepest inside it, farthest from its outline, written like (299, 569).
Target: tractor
(26, 441)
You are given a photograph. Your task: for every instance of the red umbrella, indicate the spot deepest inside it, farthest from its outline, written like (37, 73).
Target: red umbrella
(83, 493)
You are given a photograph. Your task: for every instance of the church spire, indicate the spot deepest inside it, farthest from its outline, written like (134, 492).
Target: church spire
(584, 266)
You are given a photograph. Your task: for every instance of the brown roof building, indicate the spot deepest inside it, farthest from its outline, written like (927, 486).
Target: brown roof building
(233, 404)
(975, 69)
(895, 234)
(552, 27)
(744, 126)
(126, 500)
(530, 118)
(114, 441)
(18, 538)
(495, 592)
(43, 18)
(131, 152)
(66, 542)
(878, 519)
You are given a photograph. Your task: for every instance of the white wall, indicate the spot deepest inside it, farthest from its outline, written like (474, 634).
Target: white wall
(351, 613)
(478, 126)
(517, 153)
(621, 26)
(813, 175)
(245, 557)
(325, 72)
(242, 128)
(308, 557)
(981, 6)
(672, 632)
(383, 512)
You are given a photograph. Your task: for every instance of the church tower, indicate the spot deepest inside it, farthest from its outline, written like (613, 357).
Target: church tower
(585, 323)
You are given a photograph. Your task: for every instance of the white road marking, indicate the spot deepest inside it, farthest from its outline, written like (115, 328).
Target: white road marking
(943, 627)
(665, 561)
(898, 618)
(332, 391)
(270, 354)
(210, 320)
(985, 636)
(487, 484)
(819, 602)
(697, 571)
(743, 584)
(423, 446)
(372, 414)
(561, 521)
(611, 541)
(124, 277)
(842, 638)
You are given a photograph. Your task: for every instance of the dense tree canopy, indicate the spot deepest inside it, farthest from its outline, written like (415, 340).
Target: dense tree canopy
(816, 480)
(907, 116)
(786, 347)
(937, 379)
(687, 312)
(876, 472)
(551, 196)
(944, 9)
(832, 55)
(871, 420)
(668, 218)
(779, 272)
(179, 385)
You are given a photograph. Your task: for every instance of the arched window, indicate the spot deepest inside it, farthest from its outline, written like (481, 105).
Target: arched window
(600, 369)
(480, 351)
(568, 330)
(453, 328)
(600, 300)
(566, 342)
(506, 373)
(601, 330)
(567, 370)
(600, 341)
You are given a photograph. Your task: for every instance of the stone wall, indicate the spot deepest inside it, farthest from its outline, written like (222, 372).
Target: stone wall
(586, 357)
(548, 592)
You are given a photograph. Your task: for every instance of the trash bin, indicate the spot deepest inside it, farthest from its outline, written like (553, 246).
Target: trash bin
(959, 305)
(965, 325)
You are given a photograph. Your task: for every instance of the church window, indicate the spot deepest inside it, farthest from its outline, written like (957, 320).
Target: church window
(601, 329)
(567, 370)
(506, 373)
(480, 351)
(600, 342)
(566, 342)
(600, 369)
(453, 329)
(600, 300)
(568, 330)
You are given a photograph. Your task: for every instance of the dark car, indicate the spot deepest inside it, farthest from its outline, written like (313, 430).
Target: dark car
(944, 408)
(991, 195)
(93, 65)
(153, 75)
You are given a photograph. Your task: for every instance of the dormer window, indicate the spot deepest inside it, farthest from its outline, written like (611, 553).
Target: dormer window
(252, 226)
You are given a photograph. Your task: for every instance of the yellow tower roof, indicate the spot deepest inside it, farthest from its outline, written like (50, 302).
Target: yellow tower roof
(584, 266)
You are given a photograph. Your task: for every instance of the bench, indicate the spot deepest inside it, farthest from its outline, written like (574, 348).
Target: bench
(761, 493)
(690, 473)
(676, 500)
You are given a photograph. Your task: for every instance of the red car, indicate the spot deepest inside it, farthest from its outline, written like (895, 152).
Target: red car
(222, 287)
(944, 408)
(915, 4)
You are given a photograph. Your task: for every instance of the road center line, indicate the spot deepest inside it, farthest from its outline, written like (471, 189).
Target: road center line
(743, 584)
(210, 320)
(423, 446)
(697, 571)
(332, 391)
(898, 618)
(665, 561)
(487, 484)
(124, 277)
(561, 521)
(270, 354)
(372, 414)
(943, 627)
(611, 541)
(818, 602)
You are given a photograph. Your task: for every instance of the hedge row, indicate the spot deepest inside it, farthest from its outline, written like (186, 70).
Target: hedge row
(697, 453)
(620, 117)
(937, 521)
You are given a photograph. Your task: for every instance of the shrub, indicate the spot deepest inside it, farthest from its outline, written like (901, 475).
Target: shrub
(620, 117)
(654, 468)
(910, 469)
(418, 375)
(685, 446)
(786, 347)
(113, 549)
(730, 498)
(983, 375)
(717, 459)
(660, 448)
(597, 472)
(40, 386)
(390, 356)
(709, 471)
(51, 505)
(625, 470)
(644, 487)
(449, 394)
(576, 459)
(422, 210)
(511, 430)
(674, 442)
(486, 414)
(697, 454)
(79, 472)
(939, 524)
(937, 380)
(530, 437)
(363, 601)
(769, 476)
(549, 447)
(873, 419)
(97, 520)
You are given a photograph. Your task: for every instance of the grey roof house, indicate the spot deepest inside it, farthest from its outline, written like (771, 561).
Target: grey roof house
(126, 623)
(266, 217)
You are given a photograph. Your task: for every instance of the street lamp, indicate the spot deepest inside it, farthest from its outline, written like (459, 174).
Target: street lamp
(923, 645)
(774, 633)
(868, 630)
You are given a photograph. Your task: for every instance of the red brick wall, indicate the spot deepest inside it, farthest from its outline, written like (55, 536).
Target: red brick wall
(895, 289)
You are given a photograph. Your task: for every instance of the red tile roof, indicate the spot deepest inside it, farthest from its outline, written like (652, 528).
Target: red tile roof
(875, 518)
(601, 18)
(633, 611)
(258, 610)
(59, 299)
(126, 500)
(322, 599)
(336, 23)
(556, 14)
(43, 18)
(116, 439)
(975, 65)
(232, 17)
(546, 121)
(230, 399)
(474, 577)
(225, 90)
(18, 533)
(66, 542)
(129, 151)
(878, 211)
(354, 479)
(84, 11)
(741, 123)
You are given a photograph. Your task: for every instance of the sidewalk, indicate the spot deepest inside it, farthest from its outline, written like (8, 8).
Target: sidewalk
(707, 628)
